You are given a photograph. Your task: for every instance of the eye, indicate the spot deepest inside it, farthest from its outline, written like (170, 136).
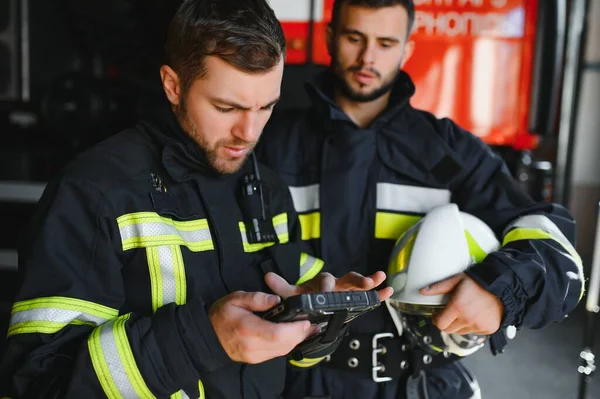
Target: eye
(387, 44)
(353, 39)
(223, 110)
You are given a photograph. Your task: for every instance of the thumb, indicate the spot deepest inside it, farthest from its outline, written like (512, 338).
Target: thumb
(443, 286)
(254, 301)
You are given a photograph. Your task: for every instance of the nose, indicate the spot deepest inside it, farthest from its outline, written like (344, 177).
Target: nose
(247, 128)
(368, 54)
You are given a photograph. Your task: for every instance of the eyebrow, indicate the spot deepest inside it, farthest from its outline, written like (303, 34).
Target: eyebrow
(233, 104)
(349, 31)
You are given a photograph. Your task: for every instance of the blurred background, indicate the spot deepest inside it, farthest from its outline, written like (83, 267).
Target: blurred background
(524, 75)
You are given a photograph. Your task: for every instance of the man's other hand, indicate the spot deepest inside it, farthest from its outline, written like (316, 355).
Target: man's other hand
(325, 282)
(471, 309)
(246, 337)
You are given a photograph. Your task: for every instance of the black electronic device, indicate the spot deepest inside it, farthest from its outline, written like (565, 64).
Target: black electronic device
(254, 204)
(318, 308)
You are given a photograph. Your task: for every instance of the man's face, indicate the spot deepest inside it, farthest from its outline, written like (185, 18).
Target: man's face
(225, 111)
(367, 48)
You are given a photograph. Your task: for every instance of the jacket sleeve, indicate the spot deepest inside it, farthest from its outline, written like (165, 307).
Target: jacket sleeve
(68, 336)
(536, 273)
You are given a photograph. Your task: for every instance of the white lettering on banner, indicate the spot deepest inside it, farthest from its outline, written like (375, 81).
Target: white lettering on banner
(453, 23)
(460, 3)
(297, 10)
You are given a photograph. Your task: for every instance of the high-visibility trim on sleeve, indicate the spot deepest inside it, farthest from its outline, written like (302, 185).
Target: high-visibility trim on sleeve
(167, 275)
(304, 363)
(51, 314)
(540, 227)
(114, 363)
(309, 267)
(148, 229)
(280, 224)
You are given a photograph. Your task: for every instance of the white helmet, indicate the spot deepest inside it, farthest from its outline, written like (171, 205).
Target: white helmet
(443, 243)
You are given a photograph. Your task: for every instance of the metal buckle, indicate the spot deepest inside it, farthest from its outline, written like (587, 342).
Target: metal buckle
(377, 367)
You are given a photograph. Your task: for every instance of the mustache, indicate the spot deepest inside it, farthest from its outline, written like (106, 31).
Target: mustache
(237, 142)
(358, 68)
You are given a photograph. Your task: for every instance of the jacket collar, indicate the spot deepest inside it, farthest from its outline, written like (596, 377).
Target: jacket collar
(181, 156)
(414, 143)
(321, 92)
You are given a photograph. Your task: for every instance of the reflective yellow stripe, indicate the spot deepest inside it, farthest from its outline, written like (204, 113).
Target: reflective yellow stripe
(310, 224)
(280, 224)
(167, 275)
(309, 267)
(155, 277)
(51, 314)
(180, 278)
(108, 345)
(537, 234)
(182, 395)
(390, 226)
(147, 229)
(306, 362)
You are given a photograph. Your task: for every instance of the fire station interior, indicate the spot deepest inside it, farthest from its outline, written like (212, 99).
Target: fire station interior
(74, 72)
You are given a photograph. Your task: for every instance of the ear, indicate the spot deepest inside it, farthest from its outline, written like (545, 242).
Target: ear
(409, 49)
(329, 39)
(171, 84)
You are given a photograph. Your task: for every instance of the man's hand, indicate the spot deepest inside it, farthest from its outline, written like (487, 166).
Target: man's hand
(325, 282)
(471, 308)
(246, 337)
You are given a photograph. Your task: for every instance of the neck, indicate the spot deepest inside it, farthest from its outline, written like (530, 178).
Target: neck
(362, 113)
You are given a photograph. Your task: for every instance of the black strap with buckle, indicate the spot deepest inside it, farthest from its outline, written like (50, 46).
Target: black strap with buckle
(383, 357)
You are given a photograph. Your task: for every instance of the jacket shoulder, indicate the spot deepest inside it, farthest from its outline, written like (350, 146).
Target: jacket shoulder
(115, 161)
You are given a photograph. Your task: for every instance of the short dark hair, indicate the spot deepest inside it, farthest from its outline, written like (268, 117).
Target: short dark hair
(244, 33)
(407, 4)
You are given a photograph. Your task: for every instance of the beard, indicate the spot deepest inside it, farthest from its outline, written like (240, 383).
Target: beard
(222, 164)
(352, 94)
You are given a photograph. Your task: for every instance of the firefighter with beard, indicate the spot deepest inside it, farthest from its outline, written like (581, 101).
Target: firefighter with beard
(364, 166)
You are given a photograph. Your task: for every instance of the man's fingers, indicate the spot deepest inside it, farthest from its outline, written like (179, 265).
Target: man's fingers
(253, 301)
(443, 286)
(327, 282)
(280, 286)
(443, 319)
(353, 281)
(455, 326)
(469, 330)
(385, 293)
(378, 278)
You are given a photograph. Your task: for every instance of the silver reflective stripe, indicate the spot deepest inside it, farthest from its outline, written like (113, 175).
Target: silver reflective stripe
(116, 368)
(402, 198)
(55, 315)
(305, 198)
(167, 269)
(308, 263)
(281, 228)
(163, 229)
(543, 223)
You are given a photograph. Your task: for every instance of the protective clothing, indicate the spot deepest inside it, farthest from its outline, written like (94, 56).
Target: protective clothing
(358, 189)
(129, 248)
